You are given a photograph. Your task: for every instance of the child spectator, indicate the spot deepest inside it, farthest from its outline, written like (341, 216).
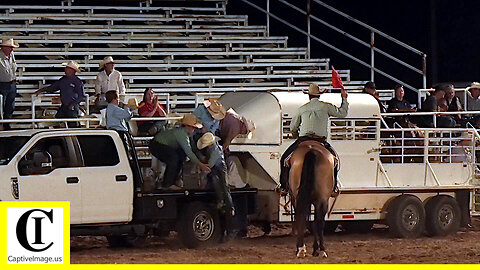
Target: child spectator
(116, 117)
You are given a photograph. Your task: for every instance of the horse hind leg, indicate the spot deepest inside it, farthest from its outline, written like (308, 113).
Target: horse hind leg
(321, 209)
(300, 220)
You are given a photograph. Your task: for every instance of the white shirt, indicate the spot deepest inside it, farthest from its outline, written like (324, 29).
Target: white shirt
(472, 104)
(8, 67)
(105, 83)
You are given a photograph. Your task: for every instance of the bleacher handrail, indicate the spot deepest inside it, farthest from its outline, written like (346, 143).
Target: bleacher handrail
(371, 45)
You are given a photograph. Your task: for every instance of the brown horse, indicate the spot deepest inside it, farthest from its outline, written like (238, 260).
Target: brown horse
(311, 182)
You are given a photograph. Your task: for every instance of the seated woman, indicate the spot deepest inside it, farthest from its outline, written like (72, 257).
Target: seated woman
(150, 107)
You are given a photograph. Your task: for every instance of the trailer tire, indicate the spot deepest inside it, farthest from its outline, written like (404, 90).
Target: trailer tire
(116, 241)
(443, 216)
(199, 226)
(406, 217)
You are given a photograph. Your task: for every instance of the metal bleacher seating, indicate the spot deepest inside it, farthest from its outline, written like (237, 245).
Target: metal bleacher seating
(188, 50)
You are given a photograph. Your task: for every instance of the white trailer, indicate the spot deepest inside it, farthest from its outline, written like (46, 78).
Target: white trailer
(410, 179)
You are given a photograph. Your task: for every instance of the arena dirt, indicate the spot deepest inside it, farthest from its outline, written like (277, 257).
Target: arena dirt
(279, 247)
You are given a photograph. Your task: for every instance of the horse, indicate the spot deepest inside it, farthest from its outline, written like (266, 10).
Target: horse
(310, 182)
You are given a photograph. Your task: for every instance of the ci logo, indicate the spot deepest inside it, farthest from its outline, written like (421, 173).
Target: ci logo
(22, 230)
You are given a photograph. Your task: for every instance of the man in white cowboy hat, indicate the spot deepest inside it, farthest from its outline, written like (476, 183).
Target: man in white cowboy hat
(8, 69)
(208, 146)
(171, 146)
(311, 124)
(108, 79)
(210, 113)
(473, 103)
(72, 91)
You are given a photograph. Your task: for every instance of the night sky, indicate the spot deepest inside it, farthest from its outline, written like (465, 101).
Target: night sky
(447, 31)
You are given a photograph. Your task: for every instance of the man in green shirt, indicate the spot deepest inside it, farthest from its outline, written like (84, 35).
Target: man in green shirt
(310, 123)
(171, 146)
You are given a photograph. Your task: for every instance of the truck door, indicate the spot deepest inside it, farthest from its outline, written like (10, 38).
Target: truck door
(57, 178)
(107, 187)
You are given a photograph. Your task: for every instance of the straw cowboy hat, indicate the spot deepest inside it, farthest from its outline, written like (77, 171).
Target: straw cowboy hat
(215, 109)
(9, 42)
(206, 140)
(315, 90)
(73, 65)
(105, 61)
(191, 120)
(132, 103)
(474, 85)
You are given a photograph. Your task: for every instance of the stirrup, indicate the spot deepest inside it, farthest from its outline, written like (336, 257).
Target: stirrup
(336, 191)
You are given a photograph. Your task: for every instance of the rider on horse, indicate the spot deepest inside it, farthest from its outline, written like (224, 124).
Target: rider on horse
(310, 123)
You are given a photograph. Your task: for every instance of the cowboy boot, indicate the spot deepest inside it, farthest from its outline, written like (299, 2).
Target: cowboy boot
(336, 190)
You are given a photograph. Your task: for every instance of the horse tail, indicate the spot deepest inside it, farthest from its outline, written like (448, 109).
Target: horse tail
(304, 198)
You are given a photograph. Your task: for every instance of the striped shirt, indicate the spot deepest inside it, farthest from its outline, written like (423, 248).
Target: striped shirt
(312, 118)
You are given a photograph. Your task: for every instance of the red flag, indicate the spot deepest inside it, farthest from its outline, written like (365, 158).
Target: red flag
(336, 80)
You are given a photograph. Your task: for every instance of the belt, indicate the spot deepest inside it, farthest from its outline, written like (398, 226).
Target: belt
(314, 136)
(10, 82)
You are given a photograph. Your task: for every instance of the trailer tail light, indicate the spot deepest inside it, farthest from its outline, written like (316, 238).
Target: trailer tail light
(348, 216)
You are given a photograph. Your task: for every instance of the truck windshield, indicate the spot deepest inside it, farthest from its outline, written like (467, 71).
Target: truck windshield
(9, 146)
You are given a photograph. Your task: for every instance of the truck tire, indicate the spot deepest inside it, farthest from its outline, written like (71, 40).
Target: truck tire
(406, 217)
(116, 241)
(443, 216)
(199, 226)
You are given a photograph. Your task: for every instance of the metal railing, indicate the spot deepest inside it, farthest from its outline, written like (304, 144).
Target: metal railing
(373, 31)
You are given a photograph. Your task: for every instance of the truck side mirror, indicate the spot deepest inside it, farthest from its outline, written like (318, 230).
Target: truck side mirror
(42, 162)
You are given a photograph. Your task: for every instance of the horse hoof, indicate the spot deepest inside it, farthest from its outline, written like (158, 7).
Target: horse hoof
(302, 252)
(323, 254)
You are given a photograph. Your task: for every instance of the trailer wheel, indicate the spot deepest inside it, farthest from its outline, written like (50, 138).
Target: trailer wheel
(443, 216)
(116, 241)
(199, 226)
(406, 217)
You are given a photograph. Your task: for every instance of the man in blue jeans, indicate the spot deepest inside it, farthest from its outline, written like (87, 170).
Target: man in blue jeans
(8, 85)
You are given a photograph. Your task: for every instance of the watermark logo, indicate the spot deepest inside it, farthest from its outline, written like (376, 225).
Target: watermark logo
(37, 234)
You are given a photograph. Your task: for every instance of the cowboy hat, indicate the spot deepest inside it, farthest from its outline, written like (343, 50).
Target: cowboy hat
(9, 42)
(132, 103)
(315, 90)
(191, 120)
(206, 140)
(215, 109)
(474, 85)
(73, 65)
(105, 61)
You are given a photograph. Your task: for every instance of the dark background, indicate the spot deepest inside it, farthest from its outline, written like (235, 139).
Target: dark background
(447, 31)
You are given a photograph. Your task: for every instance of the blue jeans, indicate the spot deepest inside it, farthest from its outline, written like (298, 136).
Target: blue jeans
(9, 91)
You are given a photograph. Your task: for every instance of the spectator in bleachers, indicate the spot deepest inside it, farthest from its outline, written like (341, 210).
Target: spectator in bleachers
(171, 146)
(433, 103)
(473, 97)
(371, 89)
(150, 107)
(107, 79)
(8, 76)
(473, 103)
(72, 92)
(210, 113)
(453, 102)
(116, 116)
(398, 104)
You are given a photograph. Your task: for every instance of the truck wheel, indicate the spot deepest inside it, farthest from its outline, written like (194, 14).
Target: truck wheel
(116, 241)
(361, 226)
(443, 216)
(406, 217)
(199, 226)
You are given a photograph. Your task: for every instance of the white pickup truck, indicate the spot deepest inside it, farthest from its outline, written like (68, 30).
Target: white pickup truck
(98, 172)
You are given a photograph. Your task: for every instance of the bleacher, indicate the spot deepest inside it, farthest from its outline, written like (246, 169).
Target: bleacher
(179, 48)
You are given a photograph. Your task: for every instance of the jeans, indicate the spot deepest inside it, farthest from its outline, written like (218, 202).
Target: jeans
(9, 91)
(173, 159)
(65, 112)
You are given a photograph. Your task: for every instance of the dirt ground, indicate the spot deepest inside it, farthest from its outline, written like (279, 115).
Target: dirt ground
(279, 247)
